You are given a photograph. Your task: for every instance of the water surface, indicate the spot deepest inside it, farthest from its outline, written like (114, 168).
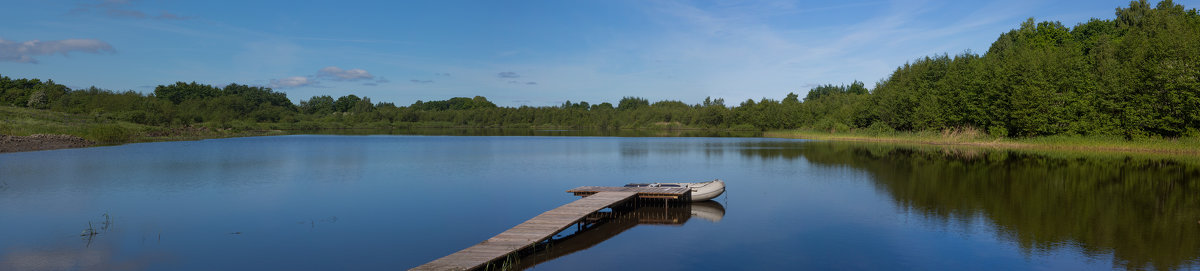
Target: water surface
(385, 202)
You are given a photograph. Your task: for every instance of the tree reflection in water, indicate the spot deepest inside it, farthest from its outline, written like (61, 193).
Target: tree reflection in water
(1142, 210)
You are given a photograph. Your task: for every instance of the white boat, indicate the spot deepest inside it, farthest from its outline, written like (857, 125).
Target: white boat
(700, 191)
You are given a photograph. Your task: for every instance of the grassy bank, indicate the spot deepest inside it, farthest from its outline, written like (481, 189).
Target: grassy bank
(970, 137)
(19, 121)
(104, 130)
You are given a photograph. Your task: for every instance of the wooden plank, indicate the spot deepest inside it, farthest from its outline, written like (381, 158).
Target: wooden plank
(521, 236)
(563, 222)
(527, 233)
(542, 225)
(512, 235)
(641, 190)
(488, 249)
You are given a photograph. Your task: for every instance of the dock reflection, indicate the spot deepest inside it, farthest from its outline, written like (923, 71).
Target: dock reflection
(602, 226)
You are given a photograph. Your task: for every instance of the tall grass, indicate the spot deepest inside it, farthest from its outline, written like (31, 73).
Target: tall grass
(18, 121)
(109, 133)
(976, 137)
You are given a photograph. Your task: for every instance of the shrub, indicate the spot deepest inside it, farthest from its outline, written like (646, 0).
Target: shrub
(744, 127)
(880, 128)
(998, 131)
(38, 100)
(109, 133)
(840, 127)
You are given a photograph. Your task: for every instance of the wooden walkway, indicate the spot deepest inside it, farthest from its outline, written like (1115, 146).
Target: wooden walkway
(526, 234)
(544, 226)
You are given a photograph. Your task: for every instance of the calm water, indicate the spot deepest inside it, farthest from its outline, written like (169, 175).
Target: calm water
(321, 202)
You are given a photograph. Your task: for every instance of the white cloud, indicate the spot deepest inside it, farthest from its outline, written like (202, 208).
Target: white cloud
(332, 73)
(25, 51)
(338, 74)
(292, 82)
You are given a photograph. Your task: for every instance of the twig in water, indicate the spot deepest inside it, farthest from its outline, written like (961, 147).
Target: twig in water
(108, 222)
(89, 231)
(88, 234)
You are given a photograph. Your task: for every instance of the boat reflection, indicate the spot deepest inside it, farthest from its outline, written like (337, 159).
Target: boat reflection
(602, 226)
(708, 210)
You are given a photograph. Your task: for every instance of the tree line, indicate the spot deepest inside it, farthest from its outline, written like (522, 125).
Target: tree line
(1136, 76)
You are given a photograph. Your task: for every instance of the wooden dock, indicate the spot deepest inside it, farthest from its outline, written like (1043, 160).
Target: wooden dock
(542, 227)
(606, 226)
(643, 192)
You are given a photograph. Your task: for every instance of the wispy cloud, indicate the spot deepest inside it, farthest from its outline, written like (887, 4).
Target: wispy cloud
(123, 9)
(351, 40)
(292, 82)
(508, 75)
(421, 81)
(114, 2)
(137, 14)
(24, 52)
(338, 74)
(740, 50)
(331, 73)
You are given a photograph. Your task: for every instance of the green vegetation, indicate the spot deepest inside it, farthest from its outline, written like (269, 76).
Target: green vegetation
(1129, 81)
(1134, 77)
(101, 129)
(974, 137)
(24, 121)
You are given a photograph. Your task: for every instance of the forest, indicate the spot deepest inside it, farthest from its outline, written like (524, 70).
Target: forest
(1135, 76)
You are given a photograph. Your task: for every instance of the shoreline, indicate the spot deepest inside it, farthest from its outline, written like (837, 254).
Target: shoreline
(44, 142)
(57, 141)
(48, 142)
(1044, 144)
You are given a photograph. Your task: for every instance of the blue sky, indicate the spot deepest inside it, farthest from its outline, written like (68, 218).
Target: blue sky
(533, 53)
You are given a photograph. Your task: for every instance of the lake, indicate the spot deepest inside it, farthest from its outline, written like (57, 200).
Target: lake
(386, 202)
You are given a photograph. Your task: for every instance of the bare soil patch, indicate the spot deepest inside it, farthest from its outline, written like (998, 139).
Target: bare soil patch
(39, 142)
